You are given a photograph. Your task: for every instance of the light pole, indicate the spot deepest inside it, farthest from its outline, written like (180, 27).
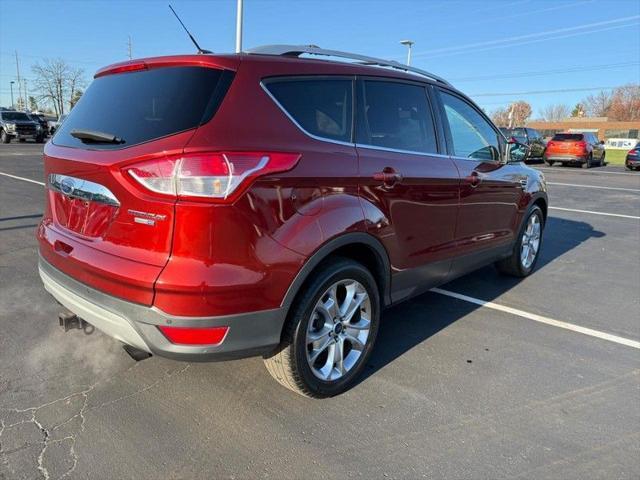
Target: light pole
(11, 83)
(408, 43)
(239, 27)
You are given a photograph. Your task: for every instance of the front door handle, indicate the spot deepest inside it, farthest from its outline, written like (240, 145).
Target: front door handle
(474, 179)
(388, 176)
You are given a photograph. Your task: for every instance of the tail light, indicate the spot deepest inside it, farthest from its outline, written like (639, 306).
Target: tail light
(217, 177)
(195, 336)
(550, 143)
(633, 151)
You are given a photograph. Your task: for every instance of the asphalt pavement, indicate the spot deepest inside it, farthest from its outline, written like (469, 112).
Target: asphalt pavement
(543, 382)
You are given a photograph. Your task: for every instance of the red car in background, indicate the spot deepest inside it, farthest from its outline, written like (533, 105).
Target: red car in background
(575, 148)
(205, 207)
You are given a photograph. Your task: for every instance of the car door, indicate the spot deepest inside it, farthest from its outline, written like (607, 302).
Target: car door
(406, 181)
(598, 149)
(491, 191)
(535, 143)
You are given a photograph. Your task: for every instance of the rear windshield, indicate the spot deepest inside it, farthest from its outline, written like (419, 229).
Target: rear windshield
(14, 116)
(567, 137)
(144, 105)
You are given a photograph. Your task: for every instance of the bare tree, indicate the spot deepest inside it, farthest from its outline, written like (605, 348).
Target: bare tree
(520, 113)
(625, 104)
(555, 113)
(598, 105)
(500, 117)
(58, 83)
(515, 115)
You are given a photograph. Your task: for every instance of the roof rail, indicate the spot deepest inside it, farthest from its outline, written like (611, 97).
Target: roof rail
(297, 50)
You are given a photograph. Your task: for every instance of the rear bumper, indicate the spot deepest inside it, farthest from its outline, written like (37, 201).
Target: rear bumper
(565, 158)
(249, 334)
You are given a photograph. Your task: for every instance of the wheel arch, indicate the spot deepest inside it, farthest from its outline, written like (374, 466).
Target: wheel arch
(359, 246)
(541, 201)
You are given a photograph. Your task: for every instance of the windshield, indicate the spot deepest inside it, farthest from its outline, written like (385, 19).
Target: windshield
(14, 116)
(142, 106)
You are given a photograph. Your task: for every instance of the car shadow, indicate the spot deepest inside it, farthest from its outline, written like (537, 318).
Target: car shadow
(21, 217)
(400, 332)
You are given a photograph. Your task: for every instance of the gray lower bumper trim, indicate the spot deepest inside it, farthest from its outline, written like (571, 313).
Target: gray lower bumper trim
(249, 334)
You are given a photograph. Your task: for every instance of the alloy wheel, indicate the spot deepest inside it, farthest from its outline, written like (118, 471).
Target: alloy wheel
(338, 330)
(530, 241)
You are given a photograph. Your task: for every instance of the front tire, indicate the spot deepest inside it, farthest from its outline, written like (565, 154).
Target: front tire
(4, 138)
(526, 251)
(330, 331)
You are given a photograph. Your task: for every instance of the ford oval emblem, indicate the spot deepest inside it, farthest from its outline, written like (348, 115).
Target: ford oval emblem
(67, 185)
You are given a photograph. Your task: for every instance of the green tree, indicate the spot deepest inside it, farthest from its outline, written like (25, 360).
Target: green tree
(33, 104)
(76, 96)
(578, 111)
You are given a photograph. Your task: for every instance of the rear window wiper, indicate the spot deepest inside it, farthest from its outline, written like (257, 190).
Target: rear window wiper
(93, 136)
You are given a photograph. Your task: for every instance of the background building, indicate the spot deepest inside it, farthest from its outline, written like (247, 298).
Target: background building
(601, 126)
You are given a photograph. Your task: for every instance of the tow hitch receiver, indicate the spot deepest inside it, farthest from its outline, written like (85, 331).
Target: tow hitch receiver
(70, 321)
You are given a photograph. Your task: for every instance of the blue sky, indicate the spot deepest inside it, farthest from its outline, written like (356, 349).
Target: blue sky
(482, 46)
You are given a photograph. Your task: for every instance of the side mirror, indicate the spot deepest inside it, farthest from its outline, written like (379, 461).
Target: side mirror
(516, 151)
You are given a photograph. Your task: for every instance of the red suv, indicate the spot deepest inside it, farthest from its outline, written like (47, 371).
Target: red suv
(206, 207)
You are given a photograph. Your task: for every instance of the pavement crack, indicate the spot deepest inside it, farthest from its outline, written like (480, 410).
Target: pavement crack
(47, 432)
(142, 390)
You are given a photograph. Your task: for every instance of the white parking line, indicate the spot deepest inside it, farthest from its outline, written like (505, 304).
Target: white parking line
(539, 318)
(634, 190)
(594, 213)
(21, 178)
(596, 172)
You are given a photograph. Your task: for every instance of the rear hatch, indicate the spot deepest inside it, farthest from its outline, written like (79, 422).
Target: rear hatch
(100, 226)
(567, 144)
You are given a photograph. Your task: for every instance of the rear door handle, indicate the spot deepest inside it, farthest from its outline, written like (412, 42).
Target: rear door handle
(389, 177)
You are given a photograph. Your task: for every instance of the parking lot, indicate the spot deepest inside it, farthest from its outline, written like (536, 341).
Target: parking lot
(542, 382)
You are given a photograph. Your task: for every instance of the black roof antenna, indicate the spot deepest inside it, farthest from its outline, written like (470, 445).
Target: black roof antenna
(190, 36)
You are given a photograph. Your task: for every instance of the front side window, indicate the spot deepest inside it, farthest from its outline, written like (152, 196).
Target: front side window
(322, 107)
(471, 135)
(397, 116)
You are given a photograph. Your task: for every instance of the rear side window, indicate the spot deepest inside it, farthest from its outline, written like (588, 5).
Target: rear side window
(321, 107)
(145, 105)
(567, 137)
(396, 115)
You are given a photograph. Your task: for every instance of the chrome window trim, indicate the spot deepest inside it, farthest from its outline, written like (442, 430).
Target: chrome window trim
(293, 120)
(397, 150)
(82, 189)
(470, 159)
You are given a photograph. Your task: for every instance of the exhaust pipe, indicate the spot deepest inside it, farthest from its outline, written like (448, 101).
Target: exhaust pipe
(135, 353)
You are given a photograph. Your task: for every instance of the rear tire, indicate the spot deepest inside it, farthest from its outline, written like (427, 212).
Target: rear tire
(529, 236)
(301, 364)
